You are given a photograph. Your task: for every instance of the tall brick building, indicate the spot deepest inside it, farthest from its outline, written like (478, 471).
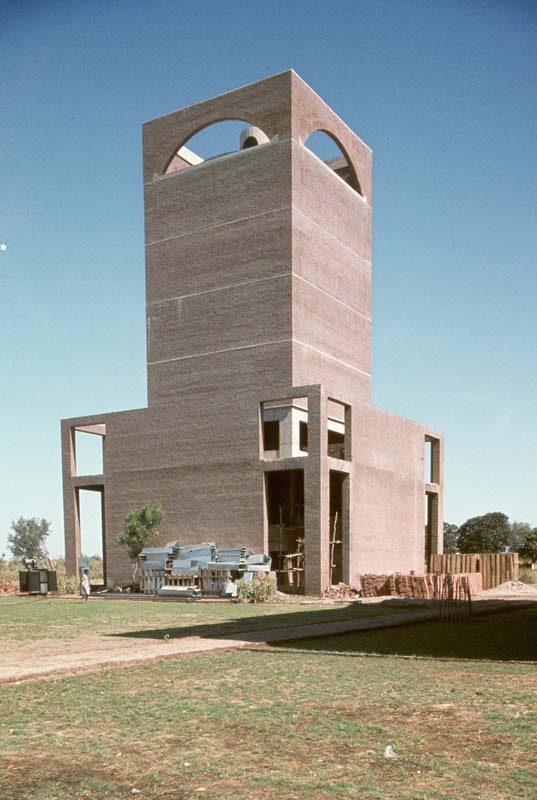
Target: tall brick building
(259, 429)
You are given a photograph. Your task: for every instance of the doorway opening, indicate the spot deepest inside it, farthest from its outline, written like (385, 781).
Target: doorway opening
(338, 527)
(90, 505)
(284, 493)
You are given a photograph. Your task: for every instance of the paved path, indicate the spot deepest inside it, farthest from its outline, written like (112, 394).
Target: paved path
(41, 659)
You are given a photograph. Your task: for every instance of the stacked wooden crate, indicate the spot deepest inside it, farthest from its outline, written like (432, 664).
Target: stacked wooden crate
(495, 568)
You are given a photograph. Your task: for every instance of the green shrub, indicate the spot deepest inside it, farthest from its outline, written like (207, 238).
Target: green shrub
(258, 590)
(68, 585)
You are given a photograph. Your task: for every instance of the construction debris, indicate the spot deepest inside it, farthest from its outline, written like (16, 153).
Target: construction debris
(341, 591)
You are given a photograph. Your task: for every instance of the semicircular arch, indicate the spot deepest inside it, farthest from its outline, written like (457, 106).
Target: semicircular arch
(211, 139)
(331, 151)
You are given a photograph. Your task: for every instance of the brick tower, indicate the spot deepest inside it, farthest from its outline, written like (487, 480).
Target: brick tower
(259, 429)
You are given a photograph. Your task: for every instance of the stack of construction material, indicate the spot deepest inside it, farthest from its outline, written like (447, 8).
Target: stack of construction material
(190, 557)
(416, 587)
(203, 568)
(374, 585)
(185, 584)
(154, 561)
(495, 568)
(217, 581)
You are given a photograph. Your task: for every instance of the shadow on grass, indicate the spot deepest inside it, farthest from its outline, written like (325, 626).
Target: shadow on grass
(253, 628)
(499, 636)
(395, 627)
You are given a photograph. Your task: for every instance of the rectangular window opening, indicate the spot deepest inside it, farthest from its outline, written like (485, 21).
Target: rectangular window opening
(427, 461)
(431, 460)
(271, 434)
(338, 445)
(89, 450)
(285, 428)
(303, 436)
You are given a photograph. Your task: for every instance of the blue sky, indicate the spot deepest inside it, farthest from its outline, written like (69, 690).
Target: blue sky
(443, 92)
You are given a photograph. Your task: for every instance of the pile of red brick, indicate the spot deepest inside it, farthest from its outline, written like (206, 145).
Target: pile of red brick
(416, 587)
(6, 587)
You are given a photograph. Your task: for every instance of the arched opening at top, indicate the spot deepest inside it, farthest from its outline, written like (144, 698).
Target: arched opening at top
(327, 148)
(214, 140)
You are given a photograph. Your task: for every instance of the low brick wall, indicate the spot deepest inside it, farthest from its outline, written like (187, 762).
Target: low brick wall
(416, 587)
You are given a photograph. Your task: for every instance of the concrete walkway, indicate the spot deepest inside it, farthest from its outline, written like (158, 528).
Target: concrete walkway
(44, 659)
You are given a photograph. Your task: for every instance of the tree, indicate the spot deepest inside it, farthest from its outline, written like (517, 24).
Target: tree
(450, 537)
(139, 530)
(528, 551)
(490, 533)
(519, 531)
(28, 537)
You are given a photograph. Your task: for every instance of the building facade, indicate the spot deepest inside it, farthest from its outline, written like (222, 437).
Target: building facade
(259, 429)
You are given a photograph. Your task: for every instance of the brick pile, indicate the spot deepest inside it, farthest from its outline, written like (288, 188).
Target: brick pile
(7, 587)
(416, 587)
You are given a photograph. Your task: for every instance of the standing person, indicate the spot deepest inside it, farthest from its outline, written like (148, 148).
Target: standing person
(85, 588)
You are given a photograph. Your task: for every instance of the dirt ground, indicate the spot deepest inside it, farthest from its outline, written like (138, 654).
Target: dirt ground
(45, 658)
(511, 589)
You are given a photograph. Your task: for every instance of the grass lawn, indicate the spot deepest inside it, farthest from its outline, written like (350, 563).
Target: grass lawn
(263, 725)
(24, 618)
(501, 636)
(268, 724)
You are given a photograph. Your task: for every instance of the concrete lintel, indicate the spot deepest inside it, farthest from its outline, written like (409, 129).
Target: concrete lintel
(333, 398)
(90, 482)
(97, 419)
(99, 429)
(293, 393)
(300, 462)
(338, 465)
